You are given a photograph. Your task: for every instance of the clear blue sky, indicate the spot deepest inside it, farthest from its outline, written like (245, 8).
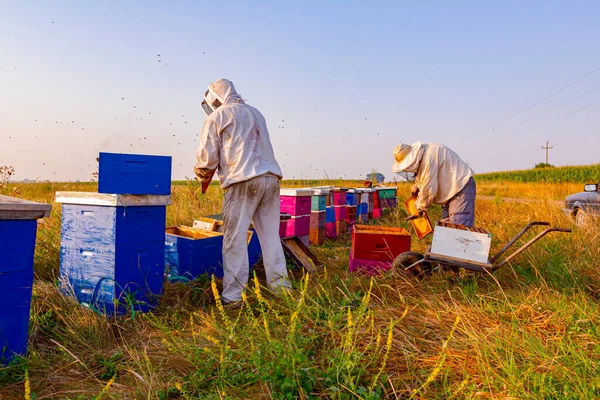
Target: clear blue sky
(346, 80)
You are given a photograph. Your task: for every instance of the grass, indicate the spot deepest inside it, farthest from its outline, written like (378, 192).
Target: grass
(528, 331)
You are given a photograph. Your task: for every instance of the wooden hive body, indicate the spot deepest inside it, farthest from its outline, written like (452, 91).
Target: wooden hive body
(112, 257)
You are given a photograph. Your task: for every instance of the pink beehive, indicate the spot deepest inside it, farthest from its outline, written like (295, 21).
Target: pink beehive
(298, 226)
(368, 267)
(295, 202)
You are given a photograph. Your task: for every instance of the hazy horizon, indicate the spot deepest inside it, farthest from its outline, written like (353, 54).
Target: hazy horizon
(340, 84)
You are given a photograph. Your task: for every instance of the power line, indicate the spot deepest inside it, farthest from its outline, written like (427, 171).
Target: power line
(546, 112)
(541, 101)
(549, 122)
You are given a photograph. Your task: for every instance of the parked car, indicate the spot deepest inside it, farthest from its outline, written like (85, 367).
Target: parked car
(584, 205)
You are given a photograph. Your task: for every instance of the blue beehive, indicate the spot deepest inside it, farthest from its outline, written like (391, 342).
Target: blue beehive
(134, 174)
(190, 252)
(17, 246)
(112, 251)
(330, 214)
(351, 198)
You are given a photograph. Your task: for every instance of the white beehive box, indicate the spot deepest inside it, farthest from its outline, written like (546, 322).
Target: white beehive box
(461, 244)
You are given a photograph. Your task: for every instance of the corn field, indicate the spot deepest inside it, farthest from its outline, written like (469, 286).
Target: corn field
(574, 174)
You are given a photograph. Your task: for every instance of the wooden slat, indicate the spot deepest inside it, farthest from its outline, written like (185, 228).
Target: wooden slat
(113, 200)
(455, 261)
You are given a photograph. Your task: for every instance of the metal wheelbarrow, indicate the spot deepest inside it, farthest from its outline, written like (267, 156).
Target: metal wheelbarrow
(457, 246)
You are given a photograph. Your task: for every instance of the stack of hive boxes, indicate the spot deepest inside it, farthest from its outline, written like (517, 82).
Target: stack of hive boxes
(330, 227)
(18, 227)
(363, 205)
(368, 198)
(377, 209)
(374, 248)
(297, 203)
(318, 217)
(388, 197)
(112, 253)
(340, 210)
(352, 201)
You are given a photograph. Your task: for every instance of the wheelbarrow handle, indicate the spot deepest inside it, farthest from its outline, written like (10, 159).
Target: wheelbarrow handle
(532, 241)
(516, 237)
(566, 230)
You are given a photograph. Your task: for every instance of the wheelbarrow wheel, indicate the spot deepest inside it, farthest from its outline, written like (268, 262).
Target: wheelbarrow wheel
(407, 259)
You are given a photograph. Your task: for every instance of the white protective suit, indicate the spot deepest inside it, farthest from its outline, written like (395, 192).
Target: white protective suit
(440, 172)
(235, 141)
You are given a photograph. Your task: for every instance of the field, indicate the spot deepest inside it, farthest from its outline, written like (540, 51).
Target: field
(530, 331)
(573, 174)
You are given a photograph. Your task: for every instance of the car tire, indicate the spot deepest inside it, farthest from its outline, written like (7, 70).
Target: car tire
(407, 259)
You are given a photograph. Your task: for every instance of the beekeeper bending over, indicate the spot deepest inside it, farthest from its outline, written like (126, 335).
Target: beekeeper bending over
(441, 178)
(235, 142)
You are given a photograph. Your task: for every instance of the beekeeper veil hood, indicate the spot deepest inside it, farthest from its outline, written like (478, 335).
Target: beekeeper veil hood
(219, 92)
(407, 157)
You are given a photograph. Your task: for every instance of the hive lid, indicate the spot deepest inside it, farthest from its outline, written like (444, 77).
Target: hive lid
(113, 200)
(295, 192)
(323, 187)
(321, 191)
(13, 208)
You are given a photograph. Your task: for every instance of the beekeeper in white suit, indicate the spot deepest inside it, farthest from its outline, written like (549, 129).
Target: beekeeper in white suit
(235, 142)
(442, 177)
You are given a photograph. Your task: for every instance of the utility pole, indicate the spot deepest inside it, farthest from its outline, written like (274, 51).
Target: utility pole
(547, 148)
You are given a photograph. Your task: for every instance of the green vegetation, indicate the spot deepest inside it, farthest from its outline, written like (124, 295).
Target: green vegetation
(575, 174)
(530, 331)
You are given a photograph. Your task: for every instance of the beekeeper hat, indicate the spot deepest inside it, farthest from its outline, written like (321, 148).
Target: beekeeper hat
(405, 156)
(401, 151)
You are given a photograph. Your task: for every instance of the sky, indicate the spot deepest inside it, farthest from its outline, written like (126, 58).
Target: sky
(340, 83)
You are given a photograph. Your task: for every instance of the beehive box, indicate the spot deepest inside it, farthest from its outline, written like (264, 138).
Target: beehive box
(377, 213)
(191, 252)
(352, 197)
(340, 213)
(331, 230)
(18, 227)
(298, 226)
(317, 219)
(318, 202)
(330, 214)
(134, 174)
(387, 193)
(112, 253)
(214, 223)
(339, 196)
(456, 241)
(379, 243)
(389, 203)
(317, 236)
(296, 202)
(351, 213)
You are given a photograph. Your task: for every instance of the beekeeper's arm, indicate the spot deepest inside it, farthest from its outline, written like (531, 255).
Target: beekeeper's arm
(427, 181)
(207, 155)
